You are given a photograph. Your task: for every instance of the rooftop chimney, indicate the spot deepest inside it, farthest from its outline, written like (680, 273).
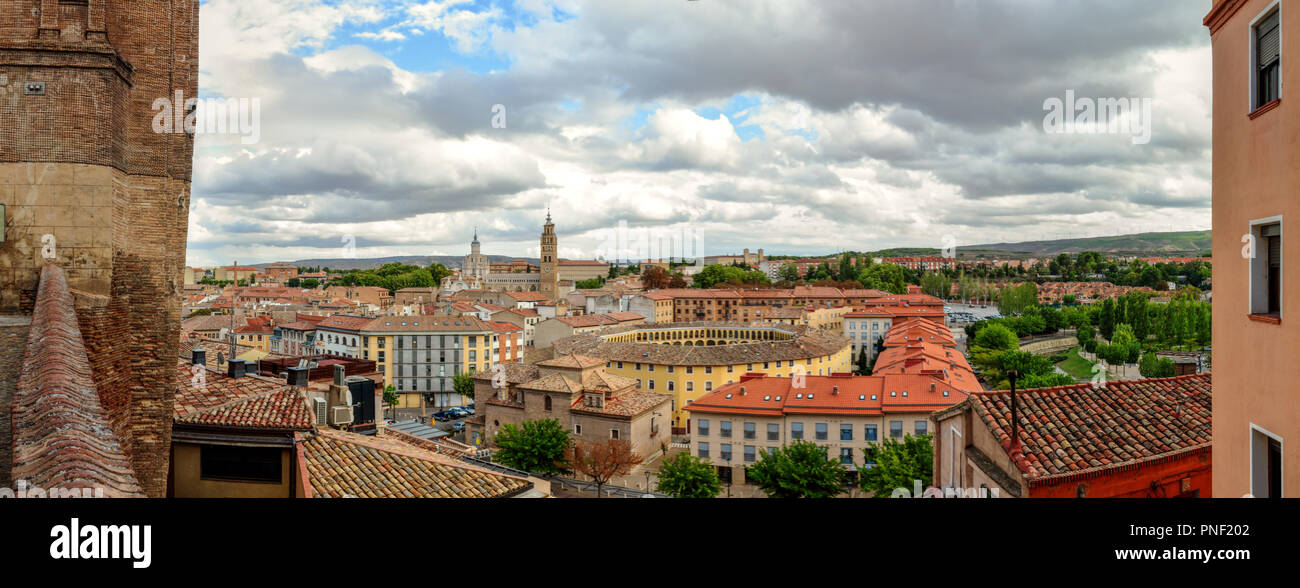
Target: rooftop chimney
(835, 390)
(235, 368)
(297, 376)
(198, 356)
(339, 375)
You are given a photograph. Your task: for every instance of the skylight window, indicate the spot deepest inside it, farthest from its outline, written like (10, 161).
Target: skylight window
(728, 396)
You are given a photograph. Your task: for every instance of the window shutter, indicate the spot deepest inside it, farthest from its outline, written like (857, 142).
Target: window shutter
(1269, 41)
(1274, 251)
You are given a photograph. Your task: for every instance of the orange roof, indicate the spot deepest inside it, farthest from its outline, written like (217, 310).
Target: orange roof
(840, 394)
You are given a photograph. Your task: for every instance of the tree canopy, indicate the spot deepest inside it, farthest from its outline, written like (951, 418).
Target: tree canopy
(536, 446)
(686, 476)
(798, 470)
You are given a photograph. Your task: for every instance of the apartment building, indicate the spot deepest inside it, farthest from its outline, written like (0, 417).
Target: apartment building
(655, 307)
(1257, 421)
(420, 355)
(871, 324)
(846, 414)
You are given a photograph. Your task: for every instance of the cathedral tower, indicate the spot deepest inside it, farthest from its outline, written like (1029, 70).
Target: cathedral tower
(549, 285)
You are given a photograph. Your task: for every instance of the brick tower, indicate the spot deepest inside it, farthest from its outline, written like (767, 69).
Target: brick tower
(89, 186)
(549, 286)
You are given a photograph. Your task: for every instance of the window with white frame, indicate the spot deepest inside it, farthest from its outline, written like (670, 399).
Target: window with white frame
(1265, 464)
(1266, 58)
(1266, 267)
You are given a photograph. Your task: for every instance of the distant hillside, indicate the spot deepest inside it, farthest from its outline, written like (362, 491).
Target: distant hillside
(343, 263)
(1177, 244)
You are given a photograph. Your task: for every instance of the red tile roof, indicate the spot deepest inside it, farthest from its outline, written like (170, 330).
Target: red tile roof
(1071, 430)
(214, 399)
(61, 433)
(337, 464)
(840, 394)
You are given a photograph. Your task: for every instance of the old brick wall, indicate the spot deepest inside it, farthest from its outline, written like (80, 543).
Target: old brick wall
(82, 163)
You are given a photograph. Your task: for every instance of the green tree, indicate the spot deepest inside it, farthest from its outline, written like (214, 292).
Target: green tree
(862, 362)
(884, 276)
(463, 384)
(1108, 318)
(798, 470)
(996, 337)
(847, 271)
(898, 465)
(1047, 380)
(788, 273)
(1085, 333)
(686, 476)
(391, 397)
(536, 446)
(437, 272)
(713, 275)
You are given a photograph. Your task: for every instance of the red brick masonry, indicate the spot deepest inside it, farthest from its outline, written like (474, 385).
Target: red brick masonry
(61, 436)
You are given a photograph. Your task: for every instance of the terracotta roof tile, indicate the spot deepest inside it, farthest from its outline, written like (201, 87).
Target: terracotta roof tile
(340, 464)
(1071, 429)
(61, 434)
(215, 399)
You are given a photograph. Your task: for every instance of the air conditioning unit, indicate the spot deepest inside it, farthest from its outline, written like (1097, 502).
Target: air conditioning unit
(322, 411)
(342, 415)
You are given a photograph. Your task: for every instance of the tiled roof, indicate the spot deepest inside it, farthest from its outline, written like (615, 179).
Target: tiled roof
(940, 361)
(1069, 430)
(630, 403)
(299, 326)
(61, 434)
(345, 322)
(527, 296)
(339, 464)
(758, 394)
(249, 402)
(501, 327)
(573, 361)
(427, 322)
(208, 323)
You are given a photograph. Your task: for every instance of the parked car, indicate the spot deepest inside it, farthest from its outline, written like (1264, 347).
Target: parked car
(442, 416)
(458, 426)
(458, 413)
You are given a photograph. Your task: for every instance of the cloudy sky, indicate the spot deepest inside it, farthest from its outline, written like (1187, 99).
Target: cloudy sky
(798, 126)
